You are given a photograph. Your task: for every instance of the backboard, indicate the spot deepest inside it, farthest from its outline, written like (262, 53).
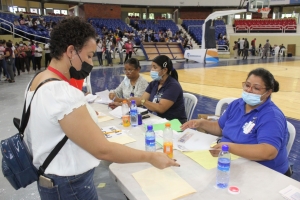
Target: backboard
(255, 5)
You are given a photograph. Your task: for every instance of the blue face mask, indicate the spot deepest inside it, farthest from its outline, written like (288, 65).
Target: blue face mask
(252, 99)
(154, 75)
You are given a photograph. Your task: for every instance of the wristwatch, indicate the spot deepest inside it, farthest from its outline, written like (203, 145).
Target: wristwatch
(143, 101)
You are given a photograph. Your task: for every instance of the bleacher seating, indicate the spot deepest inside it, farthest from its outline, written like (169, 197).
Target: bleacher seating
(24, 29)
(156, 25)
(266, 25)
(194, 28)
(110, 24)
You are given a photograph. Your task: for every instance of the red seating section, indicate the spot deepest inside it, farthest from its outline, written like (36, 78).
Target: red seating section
(266, 25)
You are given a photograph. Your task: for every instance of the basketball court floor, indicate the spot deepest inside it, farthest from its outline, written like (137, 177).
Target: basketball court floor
(209, 83)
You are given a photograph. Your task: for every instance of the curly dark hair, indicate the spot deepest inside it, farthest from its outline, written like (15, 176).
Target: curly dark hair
(70, 31)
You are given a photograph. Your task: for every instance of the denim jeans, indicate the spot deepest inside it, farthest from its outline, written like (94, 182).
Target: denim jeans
(108, 57)
(99, 56)
(70, 187)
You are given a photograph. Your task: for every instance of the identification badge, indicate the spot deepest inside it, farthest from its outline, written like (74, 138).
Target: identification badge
(248, 127)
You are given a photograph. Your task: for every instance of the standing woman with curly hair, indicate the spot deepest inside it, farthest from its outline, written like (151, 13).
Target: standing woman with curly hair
(61, 109)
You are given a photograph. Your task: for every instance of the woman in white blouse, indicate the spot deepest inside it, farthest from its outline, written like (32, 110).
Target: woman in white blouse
(133, 85)
(61, 109)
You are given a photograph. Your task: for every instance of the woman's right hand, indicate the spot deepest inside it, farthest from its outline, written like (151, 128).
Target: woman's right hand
(161, 161)
(195, 123)
(113, 105)
(111, 95)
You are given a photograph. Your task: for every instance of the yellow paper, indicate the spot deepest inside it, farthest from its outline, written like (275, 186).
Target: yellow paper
(205, 159)
(104, 118)
(162, 184)
(101, 185)
(122, 139)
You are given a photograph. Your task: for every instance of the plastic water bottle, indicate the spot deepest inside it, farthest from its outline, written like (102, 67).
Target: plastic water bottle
(223, 168)
(133, 114)
(168, 140)
(125, 114)
(150, 139)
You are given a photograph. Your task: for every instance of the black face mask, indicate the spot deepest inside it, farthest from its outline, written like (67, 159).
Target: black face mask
(81, 74)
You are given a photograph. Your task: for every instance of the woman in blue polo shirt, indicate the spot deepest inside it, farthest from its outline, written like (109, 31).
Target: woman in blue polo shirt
(253, 126)
(164, 95)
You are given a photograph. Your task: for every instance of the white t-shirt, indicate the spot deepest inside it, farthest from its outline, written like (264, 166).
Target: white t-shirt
(99, 47)
(50, 104)
(47, 50)
(39, 53)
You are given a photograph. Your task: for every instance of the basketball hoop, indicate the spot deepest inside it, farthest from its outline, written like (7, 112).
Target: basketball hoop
(264, 12)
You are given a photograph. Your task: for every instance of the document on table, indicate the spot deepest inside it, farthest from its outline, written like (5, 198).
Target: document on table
(175, 125)
(90, 98)
(103, 117)
(162, 184)
(104, 97)
(117, 112)
(113, 134)
(192, 140)
(205, 159)
(290, 193)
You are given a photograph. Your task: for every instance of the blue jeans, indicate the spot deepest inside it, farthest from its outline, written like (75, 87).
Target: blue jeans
(3, 66)
(108, 57)
(70, 187)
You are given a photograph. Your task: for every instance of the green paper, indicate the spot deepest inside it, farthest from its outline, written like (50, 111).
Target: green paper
(175, 125)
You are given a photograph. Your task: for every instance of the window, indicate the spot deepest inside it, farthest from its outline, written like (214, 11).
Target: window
(34, 10)
(151, 15)
(144, 15)
(249, 16)
(56, 11)
(237, 16)
(22, 9)
(64, 12)
(13, 9)
(134, 14)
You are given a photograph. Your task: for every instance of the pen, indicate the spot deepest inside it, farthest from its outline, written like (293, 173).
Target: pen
(110, 132)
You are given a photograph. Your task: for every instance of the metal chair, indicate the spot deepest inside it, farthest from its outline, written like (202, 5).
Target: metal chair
(190, 102)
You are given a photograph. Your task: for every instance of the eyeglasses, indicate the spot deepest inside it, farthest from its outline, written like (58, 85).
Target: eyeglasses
(256, 88)
(128, 70)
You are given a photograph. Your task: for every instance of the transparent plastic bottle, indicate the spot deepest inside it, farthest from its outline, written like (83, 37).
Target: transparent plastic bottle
(150, 139)
(125, 114)
(223, 169)
(133, 114)
(168, 140)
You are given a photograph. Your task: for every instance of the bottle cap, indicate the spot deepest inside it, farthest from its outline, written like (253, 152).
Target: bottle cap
(132, 101)
(124, 101)
(149, 127)
(225, 147)
(168, 124)
(233, 190)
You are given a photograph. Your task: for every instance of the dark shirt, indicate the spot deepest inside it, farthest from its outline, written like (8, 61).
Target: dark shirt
(171, 90)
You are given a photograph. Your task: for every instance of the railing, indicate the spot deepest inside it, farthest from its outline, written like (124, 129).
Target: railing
(222, 48)
(13, 30)
(276, 27)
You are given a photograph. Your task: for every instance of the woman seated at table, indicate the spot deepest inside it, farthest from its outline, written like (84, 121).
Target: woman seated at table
(133, 85)
(253, 126)
(164, 95)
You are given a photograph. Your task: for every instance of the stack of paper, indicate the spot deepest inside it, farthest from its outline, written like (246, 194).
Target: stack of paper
(117, 112)
(162, 184)
(104, 97)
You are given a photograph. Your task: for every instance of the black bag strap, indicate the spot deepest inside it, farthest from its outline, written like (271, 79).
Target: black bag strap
(24, 122)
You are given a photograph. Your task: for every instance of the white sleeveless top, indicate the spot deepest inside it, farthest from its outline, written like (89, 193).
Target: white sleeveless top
(50, 104)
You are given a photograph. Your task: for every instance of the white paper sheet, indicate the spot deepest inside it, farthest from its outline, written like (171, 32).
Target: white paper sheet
(192, 140)
(290, 193)
(90, 98)
(104, 97)
(117, 112)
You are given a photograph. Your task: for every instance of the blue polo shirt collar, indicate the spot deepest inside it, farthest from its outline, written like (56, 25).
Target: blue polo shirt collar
(165, 83)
